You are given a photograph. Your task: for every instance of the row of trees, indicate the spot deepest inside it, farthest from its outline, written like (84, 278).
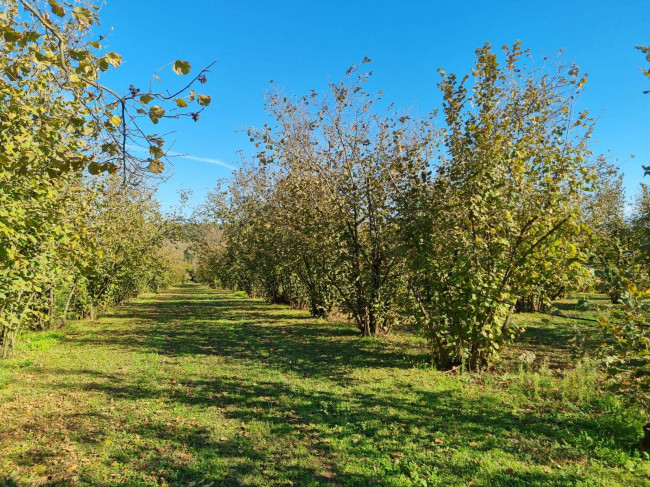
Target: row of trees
(621, 261)
(71, 242)
(443, 222)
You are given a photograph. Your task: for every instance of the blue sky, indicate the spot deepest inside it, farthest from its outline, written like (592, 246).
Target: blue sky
(302, 45)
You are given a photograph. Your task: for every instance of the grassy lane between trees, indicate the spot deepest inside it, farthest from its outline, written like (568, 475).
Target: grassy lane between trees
(197, 387)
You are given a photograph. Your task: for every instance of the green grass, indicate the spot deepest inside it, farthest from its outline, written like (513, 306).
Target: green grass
(200, 387)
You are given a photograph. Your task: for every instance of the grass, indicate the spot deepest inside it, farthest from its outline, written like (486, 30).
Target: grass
(195, 387)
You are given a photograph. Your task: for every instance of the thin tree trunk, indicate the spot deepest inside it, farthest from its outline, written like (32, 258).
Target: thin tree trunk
(64, 316)
(18, 326)
(52, 310)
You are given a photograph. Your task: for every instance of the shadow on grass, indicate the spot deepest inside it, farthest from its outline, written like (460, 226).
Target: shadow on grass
(356, 424)
(244, 329)
(426, 426)
(558, 339)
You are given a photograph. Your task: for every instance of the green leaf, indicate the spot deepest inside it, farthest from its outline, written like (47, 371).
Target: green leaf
(203, 100)
(56, 8)
(181, 103)
(182, 67)
(94, 168)
(155, 113)
(11, 35)
(144, 99)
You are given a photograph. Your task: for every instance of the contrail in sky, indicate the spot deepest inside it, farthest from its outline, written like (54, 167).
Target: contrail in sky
(180, 155)
(202, 159)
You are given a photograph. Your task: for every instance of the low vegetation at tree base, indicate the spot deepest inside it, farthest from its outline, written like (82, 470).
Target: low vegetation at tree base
(194, 386)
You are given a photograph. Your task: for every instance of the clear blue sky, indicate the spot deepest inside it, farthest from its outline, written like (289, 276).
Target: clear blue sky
(301, 44)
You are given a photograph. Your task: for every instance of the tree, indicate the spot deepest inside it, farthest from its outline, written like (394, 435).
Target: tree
(610, 252)
(58, 121)
(50, 45)
(334, 156)
(505, 194)
(628, 356)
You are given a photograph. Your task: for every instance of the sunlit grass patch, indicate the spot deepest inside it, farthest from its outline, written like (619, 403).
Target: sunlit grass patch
(193, 386)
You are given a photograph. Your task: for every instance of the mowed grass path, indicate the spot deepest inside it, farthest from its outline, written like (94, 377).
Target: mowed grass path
(197, 387)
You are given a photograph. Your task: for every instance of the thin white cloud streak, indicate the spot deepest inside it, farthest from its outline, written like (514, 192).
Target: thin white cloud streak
(180, 155)
(203, 159)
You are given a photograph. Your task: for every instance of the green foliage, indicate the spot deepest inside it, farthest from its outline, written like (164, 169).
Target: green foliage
(57, 57)
(501, 214)
(391, 220)
(609, 245)
(127, 257)
(56, 122)
(311, 222)
(628, 357)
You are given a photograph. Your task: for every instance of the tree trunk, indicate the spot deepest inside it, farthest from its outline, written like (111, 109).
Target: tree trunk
(645, 443)
(530, 304)
(64, 316)
(52, 310)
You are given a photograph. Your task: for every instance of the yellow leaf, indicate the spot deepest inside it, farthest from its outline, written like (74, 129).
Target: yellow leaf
(114, 59)
(155, 113)
(155, 166)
